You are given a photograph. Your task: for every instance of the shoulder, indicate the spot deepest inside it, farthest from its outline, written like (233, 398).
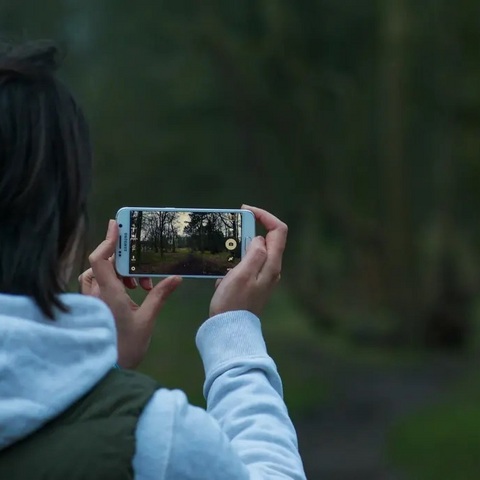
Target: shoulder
(175, 439)
(125, 392)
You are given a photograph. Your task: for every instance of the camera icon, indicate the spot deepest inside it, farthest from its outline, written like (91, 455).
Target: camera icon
(231, 244)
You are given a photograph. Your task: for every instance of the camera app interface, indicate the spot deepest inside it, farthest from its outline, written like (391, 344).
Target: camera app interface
(184, 243)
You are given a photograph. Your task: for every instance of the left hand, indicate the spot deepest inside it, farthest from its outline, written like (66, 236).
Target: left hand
(134, 322)
(249, 285)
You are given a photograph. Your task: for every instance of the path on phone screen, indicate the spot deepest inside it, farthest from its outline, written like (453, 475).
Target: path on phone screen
(195, 265)
(345, 438)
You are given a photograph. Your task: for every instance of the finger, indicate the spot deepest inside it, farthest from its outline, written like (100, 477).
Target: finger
(112, 261)
(275, 240)
(86, 274)
(146, 283)
(277, 230)
(85, 280)
(130, 282)
(254, 260)
(88, 283)
(156, 298)
(100, 262)
(218, 282)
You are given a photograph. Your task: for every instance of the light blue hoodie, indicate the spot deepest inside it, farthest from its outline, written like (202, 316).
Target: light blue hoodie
(246, 432)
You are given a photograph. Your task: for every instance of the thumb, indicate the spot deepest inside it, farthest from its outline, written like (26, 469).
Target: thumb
(156, 298)
(102, 267)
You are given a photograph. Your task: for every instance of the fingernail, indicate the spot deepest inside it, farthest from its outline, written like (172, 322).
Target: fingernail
(135, 281)
(150, 283)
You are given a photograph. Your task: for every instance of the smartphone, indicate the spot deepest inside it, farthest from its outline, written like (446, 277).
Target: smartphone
(190, 242)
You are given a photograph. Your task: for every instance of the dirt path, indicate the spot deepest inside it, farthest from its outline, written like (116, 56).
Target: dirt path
(188, 264)
(345, 439)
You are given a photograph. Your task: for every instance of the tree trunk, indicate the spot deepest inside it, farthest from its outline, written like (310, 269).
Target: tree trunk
(447, 315)
(399, 262)
(138, 224)
(172, 229)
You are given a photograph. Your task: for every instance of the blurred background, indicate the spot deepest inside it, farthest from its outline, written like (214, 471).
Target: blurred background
(358, 123)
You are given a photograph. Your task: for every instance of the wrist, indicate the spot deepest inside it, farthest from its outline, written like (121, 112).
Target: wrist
(230, 335)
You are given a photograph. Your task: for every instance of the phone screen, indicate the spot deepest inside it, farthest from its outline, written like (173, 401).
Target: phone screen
(184, 242)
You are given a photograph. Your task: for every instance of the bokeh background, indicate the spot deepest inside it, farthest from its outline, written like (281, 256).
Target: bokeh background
(358, 123)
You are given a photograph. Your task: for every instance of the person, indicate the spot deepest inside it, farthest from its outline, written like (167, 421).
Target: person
(65, 411)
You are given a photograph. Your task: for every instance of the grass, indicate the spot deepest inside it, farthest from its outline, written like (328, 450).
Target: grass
(443, 442)
(186, 261)
(174, 360)
(440, 442)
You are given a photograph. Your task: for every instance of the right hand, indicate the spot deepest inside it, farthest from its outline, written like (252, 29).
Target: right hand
(135, 323)
(249, 285)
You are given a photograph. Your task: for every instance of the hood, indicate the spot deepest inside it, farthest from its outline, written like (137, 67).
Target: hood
(46, 365)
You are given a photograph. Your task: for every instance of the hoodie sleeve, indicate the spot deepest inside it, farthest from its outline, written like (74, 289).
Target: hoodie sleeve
(245, 433)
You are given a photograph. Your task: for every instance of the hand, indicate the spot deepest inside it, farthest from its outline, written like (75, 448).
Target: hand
(134, 322)
(248, 286)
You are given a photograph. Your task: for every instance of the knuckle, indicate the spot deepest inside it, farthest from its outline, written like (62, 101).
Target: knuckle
(283, 227)
(260, 252)
(86, 276)
(276, 273)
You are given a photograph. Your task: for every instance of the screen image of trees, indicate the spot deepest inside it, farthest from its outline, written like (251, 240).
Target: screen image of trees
(185, 243)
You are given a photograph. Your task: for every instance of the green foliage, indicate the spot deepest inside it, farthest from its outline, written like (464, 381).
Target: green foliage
(358, 123)
(442, 442)
(174, 361)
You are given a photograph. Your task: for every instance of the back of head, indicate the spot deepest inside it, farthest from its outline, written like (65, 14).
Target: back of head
(45, 170)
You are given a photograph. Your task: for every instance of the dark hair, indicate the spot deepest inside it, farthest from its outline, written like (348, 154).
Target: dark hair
(45, 173)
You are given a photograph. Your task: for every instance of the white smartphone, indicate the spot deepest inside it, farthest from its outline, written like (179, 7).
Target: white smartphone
(190, 242)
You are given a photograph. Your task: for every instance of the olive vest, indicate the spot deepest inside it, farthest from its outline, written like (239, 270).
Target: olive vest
(93, 439)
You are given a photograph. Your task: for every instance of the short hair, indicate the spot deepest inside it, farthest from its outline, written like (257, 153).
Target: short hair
(45, 173)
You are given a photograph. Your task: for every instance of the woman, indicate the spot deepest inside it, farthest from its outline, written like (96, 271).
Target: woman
(64, 411)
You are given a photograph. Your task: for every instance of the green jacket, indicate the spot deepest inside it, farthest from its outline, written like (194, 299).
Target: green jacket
(92, 439)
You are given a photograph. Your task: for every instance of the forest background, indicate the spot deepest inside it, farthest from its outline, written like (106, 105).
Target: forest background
(358, 123)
